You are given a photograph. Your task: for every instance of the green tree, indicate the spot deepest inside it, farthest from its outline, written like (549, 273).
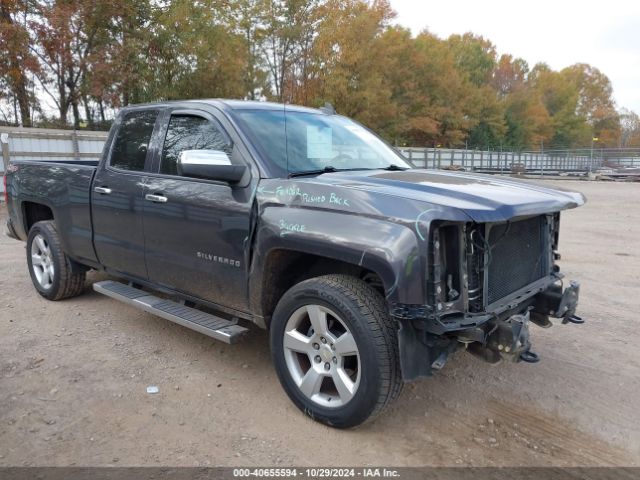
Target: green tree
(194, 53)
(289, 34)
(475, 59)
(560, 98)
(595, 101)
(529, 124)
(121, 74)
(474, 56)
(248, 18)
(348, 61)
(437, 108)
(91, 56)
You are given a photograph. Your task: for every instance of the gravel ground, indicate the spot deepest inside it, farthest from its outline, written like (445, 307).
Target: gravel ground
(73, 378)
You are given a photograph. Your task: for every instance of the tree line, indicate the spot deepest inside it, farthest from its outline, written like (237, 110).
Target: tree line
(88, 58)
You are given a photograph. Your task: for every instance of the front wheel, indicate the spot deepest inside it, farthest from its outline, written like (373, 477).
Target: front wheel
(335, 350)
(50, 268)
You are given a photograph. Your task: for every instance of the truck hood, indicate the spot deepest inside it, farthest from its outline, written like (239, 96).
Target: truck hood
(484, 198)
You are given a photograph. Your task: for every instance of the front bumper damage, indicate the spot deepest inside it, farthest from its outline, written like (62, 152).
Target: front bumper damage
(426, 339)
(557, 303)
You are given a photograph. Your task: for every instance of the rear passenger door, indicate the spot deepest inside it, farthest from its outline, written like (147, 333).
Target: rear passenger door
(196, 235)
(117, 201)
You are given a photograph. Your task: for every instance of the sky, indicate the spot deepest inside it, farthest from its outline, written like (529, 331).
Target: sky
(604, 34)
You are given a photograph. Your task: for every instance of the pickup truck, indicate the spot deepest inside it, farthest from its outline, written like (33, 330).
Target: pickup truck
(367, 272)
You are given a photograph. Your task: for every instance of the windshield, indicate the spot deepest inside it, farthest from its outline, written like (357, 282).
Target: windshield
(315, 141)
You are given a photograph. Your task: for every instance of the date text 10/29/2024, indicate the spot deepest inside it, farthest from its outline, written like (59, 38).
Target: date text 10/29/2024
(316, 472)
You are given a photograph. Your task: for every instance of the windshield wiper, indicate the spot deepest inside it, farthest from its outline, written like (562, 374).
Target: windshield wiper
(327, 169)
(330, 169)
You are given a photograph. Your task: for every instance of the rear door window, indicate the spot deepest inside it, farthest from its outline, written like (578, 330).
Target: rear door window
(132, 140)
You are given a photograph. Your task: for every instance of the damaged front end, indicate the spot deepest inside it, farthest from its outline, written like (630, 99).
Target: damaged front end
(486, 284)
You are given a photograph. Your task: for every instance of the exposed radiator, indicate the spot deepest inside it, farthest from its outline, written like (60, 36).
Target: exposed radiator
(519, 256)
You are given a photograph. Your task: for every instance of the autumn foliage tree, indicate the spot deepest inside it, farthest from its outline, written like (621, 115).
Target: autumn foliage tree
(65, 36)
(346, 58)
(16, 60)
(89, 58)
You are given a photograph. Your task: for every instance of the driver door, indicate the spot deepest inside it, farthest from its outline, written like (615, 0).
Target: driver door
(196, 230)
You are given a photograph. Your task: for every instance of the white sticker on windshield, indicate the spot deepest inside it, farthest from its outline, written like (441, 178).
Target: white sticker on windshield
(319, 142)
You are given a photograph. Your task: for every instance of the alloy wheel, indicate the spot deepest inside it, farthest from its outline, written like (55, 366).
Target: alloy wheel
(42, 262)
(322, 356)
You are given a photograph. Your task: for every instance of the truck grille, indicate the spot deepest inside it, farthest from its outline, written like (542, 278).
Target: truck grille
(519, 256)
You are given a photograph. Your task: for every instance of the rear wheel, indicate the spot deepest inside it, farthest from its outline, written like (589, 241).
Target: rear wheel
(50, 268)
(335, 350)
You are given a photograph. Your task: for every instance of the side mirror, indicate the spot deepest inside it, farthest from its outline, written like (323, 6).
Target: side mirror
(210, 165)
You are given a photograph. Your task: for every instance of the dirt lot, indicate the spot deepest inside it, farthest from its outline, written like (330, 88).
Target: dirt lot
(73, 378)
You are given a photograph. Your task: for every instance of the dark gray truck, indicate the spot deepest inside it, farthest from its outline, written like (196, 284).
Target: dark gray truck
(366, 272)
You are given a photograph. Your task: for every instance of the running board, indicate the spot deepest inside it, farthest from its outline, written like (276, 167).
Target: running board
(224, 330)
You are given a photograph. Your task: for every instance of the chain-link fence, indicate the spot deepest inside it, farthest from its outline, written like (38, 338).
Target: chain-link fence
(548, 162)
(47, 144)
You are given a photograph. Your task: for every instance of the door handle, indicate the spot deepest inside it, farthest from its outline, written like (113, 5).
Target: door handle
(155, 198)
(102, 190)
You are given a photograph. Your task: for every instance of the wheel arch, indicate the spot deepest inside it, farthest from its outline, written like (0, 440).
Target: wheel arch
(283, 268)
(34, 212)
(328, 243)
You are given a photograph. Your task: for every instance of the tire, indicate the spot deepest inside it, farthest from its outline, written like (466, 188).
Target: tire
(355, 387)
(50, 268)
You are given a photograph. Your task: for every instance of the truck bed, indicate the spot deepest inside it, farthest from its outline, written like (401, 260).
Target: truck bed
(62, 186)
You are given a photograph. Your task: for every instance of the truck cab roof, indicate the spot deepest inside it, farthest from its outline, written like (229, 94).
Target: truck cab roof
(229, 104)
